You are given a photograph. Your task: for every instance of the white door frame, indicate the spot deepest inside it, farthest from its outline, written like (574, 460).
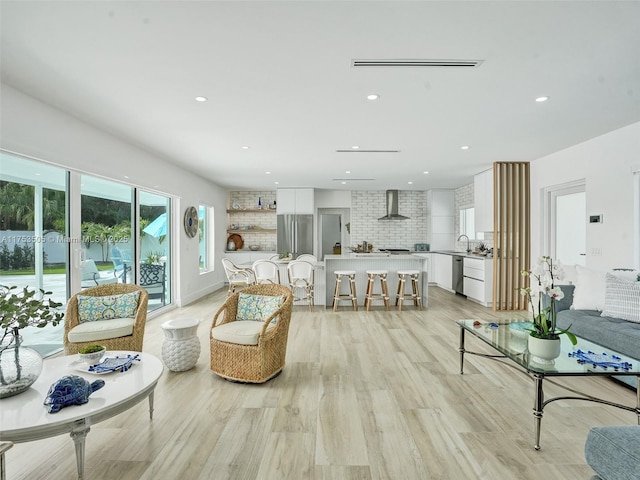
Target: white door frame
(549, 194)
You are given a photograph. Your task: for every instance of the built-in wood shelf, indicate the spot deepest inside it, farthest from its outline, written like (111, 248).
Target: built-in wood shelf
(264, 210)
(240, 231)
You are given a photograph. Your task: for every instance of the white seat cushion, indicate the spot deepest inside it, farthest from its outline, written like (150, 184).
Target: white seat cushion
(101, 330)
(241, 332)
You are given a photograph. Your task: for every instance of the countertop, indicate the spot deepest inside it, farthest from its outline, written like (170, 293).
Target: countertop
(462, 254)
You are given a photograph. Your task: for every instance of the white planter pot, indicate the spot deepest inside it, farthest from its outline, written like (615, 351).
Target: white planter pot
(543, 350)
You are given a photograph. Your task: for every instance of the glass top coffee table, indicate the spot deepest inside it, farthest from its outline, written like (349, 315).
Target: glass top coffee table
(509, 339)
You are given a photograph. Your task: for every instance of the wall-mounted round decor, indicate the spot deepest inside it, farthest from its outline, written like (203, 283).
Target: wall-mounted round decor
(191, 221)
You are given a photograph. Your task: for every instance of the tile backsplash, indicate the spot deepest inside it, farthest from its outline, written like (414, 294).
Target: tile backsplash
(367, 206)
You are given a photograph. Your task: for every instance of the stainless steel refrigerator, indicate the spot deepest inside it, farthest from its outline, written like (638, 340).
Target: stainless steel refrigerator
(295, 234)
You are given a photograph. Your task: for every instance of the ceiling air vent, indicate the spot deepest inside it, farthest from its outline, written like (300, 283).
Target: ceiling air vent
(367, 151)
(410, 62)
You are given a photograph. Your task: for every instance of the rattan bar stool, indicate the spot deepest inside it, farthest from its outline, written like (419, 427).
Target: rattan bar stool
(413, 276)
(384, 293)
(337, 296)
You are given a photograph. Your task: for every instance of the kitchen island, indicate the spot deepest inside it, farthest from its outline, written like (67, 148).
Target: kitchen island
(361, 262)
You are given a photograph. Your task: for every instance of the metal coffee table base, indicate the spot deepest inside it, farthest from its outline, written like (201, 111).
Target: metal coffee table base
(539, 401)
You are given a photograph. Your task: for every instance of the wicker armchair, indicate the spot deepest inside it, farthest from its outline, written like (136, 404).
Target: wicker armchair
(252, 363)
(131, 342)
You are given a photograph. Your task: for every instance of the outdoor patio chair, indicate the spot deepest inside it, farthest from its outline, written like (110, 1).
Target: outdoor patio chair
(121, 264)
(106, 315)
(91, 276)
(153, 280)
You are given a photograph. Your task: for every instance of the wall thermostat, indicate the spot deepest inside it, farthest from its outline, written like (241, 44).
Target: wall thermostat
(595, 218)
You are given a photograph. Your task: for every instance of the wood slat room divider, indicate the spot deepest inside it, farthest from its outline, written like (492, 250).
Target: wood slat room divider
(511, 230)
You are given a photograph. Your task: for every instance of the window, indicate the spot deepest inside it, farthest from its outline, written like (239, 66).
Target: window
(636, 215)
(468, 224)
(205, 220)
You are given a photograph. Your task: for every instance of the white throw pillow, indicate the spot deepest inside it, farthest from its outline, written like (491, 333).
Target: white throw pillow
(622, 299)
(590, 289)
(629, 275)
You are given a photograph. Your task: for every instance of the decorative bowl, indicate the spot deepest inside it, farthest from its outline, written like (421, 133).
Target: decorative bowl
(254, 247)
(93, 357)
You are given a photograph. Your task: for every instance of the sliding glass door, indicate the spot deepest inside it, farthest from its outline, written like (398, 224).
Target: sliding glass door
(34, 246)
(61, 231)
(154, 261)
(106, 226)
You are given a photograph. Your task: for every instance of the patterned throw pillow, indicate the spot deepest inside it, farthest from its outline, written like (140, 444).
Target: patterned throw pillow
(91, 309)
(257, 307)
(622, 299)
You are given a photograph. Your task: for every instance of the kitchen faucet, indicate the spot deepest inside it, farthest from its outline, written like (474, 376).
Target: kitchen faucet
(468, 247)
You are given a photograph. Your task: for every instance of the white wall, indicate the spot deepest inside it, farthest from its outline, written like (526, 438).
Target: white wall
(33, 128)
(606, 163)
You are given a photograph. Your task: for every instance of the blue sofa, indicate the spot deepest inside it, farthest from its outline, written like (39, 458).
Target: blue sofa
(614, 333)
(613, 452)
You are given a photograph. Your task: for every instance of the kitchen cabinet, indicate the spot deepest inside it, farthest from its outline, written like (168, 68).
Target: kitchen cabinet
(478, 280)
(441, 219)
(483, 201)
(296, 201)
(442, 271)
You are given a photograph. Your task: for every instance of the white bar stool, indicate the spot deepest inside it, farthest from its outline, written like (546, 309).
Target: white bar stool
(413, 276)
(337, 296)
(384, 293)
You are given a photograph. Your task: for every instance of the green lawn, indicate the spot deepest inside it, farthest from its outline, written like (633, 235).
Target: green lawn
(60, 269)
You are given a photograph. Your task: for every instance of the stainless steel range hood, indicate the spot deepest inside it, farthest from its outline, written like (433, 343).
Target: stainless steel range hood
(392, 207)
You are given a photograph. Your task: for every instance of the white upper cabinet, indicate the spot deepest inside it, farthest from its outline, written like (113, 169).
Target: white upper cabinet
(441, 219)
(295, 200)
(483, 201)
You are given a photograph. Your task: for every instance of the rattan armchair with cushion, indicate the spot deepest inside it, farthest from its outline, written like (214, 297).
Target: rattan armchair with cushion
(109, 315)
(251, 347)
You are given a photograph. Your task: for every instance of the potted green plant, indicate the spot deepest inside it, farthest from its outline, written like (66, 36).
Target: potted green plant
(20, 365)
(544, 336)
(92, 354)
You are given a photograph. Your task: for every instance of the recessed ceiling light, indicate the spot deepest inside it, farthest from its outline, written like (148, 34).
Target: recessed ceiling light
(277, 183)
(410, 183)
(201, 99)
(542, 99)
(465, 147)
(373, 96)
(125, 176)
(244, 147)
(343, 183)
(348, 171)
(355, 147)
(426, 172)
(268, 173)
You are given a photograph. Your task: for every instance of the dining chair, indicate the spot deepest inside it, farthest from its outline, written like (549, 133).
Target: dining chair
(301, 277)
(266, 271)
(307, 257)
(237, 277)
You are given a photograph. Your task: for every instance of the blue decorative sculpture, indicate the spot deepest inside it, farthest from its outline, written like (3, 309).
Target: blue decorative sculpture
(601, 360)
(70, 390)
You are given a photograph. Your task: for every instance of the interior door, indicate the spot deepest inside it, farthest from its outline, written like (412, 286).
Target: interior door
(568, 224)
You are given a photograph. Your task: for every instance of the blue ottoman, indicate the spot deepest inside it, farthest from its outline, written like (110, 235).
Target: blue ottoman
(614, 452)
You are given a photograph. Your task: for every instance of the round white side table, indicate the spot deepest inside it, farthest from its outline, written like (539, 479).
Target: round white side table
(181, 346)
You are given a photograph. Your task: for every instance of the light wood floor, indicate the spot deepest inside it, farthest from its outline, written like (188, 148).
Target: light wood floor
(366, 395)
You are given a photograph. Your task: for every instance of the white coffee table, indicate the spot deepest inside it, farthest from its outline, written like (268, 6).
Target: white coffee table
(24, 418)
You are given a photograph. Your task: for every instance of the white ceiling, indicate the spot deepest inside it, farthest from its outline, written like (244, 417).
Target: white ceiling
(278, 79)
